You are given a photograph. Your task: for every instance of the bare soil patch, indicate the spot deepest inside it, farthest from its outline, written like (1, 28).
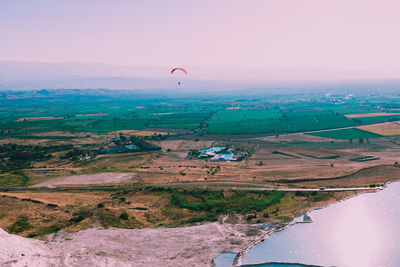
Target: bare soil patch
(94, 114)
(97, 178)
(39, 118)
(385, 129)
(163, 113)
(184, 246)
(186, 145)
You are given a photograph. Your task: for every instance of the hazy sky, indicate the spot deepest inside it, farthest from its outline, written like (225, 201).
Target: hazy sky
(339, 34)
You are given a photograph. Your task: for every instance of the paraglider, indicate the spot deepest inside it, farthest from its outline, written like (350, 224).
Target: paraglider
(181, 69)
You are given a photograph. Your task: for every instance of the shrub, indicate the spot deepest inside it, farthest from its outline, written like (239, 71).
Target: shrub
(251, 216)
(214, 203)
(124, 216)
(81, 215)
(305, 193)
(50, 229)
(107, 218)
(78, 218)
(140, 208)
(22, 224)
(321, 197)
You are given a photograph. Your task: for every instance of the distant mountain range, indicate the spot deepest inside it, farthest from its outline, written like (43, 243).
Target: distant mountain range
(15, 75)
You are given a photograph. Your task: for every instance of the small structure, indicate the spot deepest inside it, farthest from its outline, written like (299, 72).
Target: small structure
(116, 141)
(87, 156)
(218, 153)
(366, 158)
(223, 157)
(210, 152)
(120, 145)
(110, 149)
(144, 145)
(131, 147)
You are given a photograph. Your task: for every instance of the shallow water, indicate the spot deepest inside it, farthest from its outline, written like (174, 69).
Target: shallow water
(225, 259)
(361, 231)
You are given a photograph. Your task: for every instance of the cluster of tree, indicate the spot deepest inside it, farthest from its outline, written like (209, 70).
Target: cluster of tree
(77, 153)
(154, 137)
(7, 165)
(21, 159)
(143, 144)
(73, 154)
(14, 157)
(157, 137)
(32, 148)
(28, 156)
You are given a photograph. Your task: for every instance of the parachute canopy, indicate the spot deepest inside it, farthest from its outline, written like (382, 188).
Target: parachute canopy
(173, 70)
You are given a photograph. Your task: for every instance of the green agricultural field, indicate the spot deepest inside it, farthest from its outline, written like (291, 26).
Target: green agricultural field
(371, 120)
(241, 121)
(351, 133)
(104, 111)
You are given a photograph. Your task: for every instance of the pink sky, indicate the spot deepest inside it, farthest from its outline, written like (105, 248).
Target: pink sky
(359, 35)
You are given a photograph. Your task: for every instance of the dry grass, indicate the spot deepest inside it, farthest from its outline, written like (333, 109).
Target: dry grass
(39, 118)
(165, 113)
(375, 175)
(297, 137)
(307, 161)
(62, 199)
(94, 114)
(385, 129)
(185, 145)
(49, 211)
